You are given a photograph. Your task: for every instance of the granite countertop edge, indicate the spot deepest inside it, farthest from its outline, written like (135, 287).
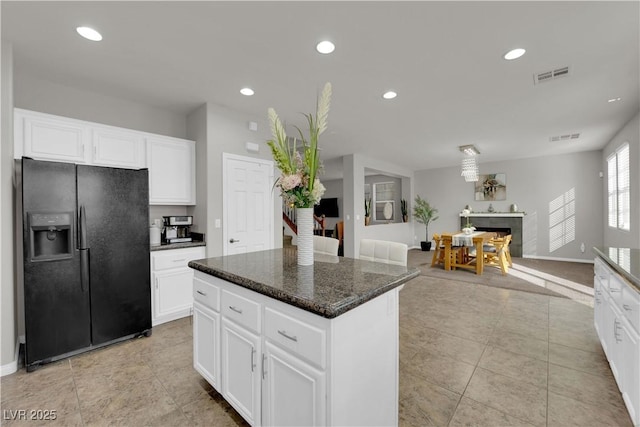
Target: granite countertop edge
(183, 245)
(635, 281)
(328, 311)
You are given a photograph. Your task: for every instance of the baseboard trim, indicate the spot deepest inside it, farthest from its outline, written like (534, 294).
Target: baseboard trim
(11, 367)
(549, 258)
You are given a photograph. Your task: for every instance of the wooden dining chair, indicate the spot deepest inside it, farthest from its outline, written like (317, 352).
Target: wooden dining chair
(496, 253)
(438, 254)
(458, 253)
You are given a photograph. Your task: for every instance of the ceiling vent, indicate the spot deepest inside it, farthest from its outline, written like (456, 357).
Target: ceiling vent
(565, 137)
(547, 76)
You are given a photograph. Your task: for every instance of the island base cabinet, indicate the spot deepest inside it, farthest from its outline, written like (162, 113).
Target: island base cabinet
(240, 357)
(293, 392)
(206, 350)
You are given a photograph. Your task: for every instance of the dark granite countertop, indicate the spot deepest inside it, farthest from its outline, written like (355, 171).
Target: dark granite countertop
(177, 246)
(625, 261)
(329, 288)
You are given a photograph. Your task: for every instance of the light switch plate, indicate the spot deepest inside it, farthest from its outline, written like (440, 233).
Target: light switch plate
(217, 223)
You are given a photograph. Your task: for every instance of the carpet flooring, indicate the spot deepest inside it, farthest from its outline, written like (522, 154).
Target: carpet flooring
(572, 280)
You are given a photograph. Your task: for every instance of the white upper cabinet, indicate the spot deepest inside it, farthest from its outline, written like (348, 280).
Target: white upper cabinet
(47, 137)
(172, 177)
(117, 148)
(171, 161)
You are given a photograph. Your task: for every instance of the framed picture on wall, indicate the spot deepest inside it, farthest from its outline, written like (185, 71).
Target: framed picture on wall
(491, 187)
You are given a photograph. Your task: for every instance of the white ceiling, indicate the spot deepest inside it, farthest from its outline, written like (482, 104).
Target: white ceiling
(443, 58)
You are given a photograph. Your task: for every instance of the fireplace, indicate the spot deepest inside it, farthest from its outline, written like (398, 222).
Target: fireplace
(501, 223)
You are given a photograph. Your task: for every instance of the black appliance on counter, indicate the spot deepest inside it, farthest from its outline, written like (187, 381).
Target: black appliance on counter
(86, 257)
(176, 229)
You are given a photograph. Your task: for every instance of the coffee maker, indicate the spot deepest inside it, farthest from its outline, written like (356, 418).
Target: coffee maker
(176, 229)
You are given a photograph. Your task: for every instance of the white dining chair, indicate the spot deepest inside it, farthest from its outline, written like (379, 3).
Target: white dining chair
(325, 245)
(383, 251)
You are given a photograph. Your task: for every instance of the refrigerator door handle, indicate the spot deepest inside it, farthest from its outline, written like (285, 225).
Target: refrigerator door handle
(82, 229)
(84, 269)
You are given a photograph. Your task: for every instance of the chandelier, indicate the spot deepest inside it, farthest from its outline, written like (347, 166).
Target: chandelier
(469, 166)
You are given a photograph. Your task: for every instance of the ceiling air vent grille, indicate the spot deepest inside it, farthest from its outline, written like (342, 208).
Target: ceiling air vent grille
(547, 76)
(565, 137)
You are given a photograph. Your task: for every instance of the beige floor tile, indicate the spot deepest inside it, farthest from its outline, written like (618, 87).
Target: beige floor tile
(522, 327)
(209, 412)
(586, 361)
(472, 413)
(427, 402)
(23, 384)
(587, 388)
(461, 349)
(513, 397)
(517, 366)
(584, 339)
(564, 411)
(43, 408)
(521, 344)
(442, 371)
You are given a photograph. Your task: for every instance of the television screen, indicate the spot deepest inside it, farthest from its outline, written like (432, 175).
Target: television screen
(328, 208)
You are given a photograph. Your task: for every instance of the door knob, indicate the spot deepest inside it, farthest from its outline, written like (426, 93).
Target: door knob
(232, 240)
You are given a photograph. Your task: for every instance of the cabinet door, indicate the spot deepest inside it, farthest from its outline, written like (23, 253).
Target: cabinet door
(119, 148)
(171, 164)
(241, 370)
(630, 369)
(45, 137)
(293, 391)
(614, 341)
(173, 294)
(206, 340)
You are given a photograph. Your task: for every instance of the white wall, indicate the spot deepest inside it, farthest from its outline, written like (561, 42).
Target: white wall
(531, 184)
(613, 237)
(8, 324)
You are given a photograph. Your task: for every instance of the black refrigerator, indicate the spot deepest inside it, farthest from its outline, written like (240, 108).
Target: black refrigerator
(86, 257)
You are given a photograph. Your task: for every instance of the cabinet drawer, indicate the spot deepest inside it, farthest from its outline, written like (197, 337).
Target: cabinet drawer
(601, 272)
(615, 288)
(303, 339)
(206, 293)
(176, 258)
(630, 305)
(241, 310)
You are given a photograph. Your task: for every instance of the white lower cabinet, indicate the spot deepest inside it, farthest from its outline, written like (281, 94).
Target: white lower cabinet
(172, 283)
(283, 366)
(241, 385)
(206, 350)
(293, 391)
(616, 318)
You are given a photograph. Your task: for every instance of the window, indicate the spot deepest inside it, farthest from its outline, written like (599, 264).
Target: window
(618, 189)
(562, 220)
(383, 199)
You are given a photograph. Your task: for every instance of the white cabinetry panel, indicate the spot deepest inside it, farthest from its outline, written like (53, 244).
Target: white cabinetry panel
(171, 164)
(47, 137)
(206, 349)
(112, 147)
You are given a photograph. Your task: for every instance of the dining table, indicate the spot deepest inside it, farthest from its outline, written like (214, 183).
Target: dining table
(466, 240)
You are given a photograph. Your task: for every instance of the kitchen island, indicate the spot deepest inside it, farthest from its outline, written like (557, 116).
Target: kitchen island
(291, 345)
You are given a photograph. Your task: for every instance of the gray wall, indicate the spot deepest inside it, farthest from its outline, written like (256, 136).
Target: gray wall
(227, 131)
(8, 322)
(613, 237)
(532, 184)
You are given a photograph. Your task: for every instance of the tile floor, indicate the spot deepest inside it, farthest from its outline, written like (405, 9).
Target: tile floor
(469, 355)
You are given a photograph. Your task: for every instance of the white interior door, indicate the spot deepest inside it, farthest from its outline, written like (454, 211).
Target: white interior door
(248, 204)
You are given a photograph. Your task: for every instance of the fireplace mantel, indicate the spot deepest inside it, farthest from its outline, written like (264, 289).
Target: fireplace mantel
(494, 214)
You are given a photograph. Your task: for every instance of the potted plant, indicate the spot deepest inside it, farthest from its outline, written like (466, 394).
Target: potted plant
(424, 213)
(367, 211)
(403, 209)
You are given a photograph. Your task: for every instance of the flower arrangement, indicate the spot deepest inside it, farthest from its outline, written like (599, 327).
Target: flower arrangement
(465, 213)
(299, 183)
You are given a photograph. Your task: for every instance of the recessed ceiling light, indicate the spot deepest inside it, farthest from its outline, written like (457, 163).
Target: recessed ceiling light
(389, 95)
(613, 99)
(325, 47)
(247, 91)
(89, 33)
(514, 54)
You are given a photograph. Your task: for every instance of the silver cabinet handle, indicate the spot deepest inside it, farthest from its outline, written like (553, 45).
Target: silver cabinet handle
(263, 365)
(253, 363)
(201, 293)
(236, 309)
(291, 337)
(615, 331)
(626, 307)
(232, 240)
(180, 260)
(614, 290)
